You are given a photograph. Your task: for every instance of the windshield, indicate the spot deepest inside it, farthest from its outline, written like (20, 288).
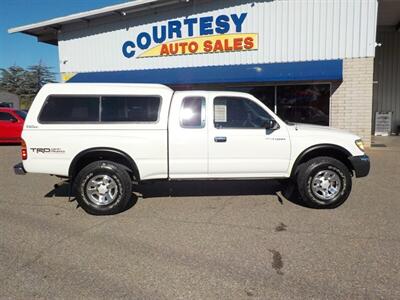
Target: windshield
(21, 114)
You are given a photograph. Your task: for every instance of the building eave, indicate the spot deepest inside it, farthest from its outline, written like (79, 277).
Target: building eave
(46, 31)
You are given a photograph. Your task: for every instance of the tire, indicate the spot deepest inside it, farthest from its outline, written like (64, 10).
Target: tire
(290, 191)
(324, 182)
(103, 188)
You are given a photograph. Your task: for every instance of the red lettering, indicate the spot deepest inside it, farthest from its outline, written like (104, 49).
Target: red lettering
(183, 47)
(193, 47)
(248, 43)
(218, 46)
(173, 48)
(227, 46)
(164, 50)
(207, 46)
(238, 44)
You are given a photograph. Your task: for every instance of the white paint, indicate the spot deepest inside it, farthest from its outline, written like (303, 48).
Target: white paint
(188, 151)
(147, 142)
(193, 153)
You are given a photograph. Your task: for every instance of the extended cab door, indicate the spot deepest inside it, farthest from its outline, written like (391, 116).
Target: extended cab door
(188, 136)
(239, 143)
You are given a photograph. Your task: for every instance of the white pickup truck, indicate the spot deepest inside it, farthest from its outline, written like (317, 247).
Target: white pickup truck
(106, 136)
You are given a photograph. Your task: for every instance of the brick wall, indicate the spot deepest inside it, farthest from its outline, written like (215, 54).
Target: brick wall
(351, 101)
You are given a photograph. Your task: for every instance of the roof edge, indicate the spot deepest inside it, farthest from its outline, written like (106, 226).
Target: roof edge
(87, 14)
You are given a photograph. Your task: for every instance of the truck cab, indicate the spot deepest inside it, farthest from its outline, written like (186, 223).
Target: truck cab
(226, 134)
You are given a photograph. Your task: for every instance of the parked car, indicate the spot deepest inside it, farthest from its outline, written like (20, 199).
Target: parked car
(106, 136)
(11, 124)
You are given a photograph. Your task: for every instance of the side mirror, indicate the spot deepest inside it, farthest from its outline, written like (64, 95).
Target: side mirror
(13, 120)
(271, 125)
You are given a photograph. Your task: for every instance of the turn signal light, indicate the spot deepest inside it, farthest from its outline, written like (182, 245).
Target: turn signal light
(360, 145)
(24, 151)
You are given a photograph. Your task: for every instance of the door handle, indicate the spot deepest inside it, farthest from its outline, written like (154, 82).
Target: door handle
(220, 139)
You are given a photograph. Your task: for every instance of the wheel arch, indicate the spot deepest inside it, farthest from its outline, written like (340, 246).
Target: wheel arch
(90, 155)
(329, 150)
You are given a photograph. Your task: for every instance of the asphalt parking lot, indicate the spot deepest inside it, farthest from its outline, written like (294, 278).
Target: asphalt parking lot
(209, 240)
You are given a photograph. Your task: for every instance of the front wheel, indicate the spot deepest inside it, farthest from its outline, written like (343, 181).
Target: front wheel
(324, 182)
(103, 188)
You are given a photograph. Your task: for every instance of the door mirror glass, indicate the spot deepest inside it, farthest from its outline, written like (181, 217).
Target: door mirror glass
(271, 125)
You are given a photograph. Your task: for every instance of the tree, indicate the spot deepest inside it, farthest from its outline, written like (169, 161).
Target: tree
(37, 76)
(13, 80)
(25, 83)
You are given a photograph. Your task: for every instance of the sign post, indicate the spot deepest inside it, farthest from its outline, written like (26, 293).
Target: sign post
(383, 123)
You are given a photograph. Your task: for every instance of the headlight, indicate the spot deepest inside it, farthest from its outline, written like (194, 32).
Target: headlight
(360, 145)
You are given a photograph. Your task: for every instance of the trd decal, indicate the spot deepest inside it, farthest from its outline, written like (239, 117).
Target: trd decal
(47, 150)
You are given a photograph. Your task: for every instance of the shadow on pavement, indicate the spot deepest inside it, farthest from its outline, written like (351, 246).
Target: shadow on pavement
(200, 188)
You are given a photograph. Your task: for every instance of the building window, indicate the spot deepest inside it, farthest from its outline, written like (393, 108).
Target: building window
(193, 113)
(235, 112)
(130, 108)
(304, 103)
(70, 109)
(266, 94)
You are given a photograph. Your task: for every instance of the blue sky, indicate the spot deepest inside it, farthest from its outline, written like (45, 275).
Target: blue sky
(24, 50)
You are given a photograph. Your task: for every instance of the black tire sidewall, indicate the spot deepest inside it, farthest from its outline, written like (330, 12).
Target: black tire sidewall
(307, 174)
(103, 168)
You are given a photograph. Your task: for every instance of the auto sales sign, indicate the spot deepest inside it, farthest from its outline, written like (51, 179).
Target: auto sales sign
(192, 35)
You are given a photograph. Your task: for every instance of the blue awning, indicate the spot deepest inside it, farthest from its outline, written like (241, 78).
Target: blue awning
(329, 70)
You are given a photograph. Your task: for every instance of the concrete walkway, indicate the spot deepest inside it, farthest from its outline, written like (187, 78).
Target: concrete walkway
(391, 143)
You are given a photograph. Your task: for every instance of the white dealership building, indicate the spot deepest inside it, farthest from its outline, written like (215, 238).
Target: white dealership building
(325, 62)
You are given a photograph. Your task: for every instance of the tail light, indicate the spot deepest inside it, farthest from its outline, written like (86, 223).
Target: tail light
(24, 151)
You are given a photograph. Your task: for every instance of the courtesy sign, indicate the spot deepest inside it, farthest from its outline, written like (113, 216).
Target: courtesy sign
(193, 36)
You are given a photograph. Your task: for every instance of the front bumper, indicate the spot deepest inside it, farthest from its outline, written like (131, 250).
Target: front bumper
(19, 169)
(361, 165)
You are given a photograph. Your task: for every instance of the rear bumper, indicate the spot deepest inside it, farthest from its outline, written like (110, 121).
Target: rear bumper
(361, 165)
(19, 169)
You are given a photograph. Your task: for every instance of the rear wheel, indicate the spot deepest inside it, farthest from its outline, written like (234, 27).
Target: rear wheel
(324, 182)
(103, 188)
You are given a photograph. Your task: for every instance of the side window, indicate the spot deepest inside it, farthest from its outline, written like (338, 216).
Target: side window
(6, 117)
(236, 112)
(70, 109)
(193, 112)
(22, 114)
(130, 108)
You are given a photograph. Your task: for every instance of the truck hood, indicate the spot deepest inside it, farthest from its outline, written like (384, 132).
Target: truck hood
(316, 130)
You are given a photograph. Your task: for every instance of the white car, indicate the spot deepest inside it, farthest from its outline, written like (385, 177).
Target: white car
(106, 136)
